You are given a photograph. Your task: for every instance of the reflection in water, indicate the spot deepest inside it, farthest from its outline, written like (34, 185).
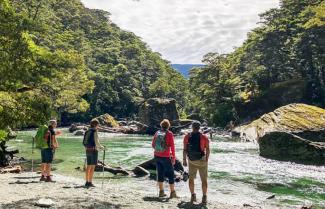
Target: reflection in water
(238, 175)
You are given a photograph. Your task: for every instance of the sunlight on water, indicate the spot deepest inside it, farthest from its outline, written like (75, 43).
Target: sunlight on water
(237, 173)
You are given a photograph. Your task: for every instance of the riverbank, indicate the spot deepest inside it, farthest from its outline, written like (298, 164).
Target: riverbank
(24, 191)
(237, 174)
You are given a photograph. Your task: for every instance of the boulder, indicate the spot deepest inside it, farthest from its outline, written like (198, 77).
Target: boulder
(154, 110)
(77, 126)
(290, 147)
(140, 172)
(300, 119)
(294, 132)
(107, 120)
(79, 133)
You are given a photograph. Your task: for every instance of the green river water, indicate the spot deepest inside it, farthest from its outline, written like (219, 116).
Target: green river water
(237, 174)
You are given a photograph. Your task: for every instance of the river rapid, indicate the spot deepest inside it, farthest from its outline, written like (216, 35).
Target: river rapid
(237, 174)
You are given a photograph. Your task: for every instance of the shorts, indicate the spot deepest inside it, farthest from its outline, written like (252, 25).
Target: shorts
(165, 169)
(47, 155)
(198, 165)
(92, 156)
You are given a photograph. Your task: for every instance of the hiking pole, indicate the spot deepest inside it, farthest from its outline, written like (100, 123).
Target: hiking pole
(33, 142)
(157, 184)
(103, 167)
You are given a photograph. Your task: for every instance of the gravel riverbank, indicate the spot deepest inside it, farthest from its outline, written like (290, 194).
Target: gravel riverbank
(24, 190)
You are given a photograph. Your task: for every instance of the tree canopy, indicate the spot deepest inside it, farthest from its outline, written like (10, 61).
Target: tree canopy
(286, 53)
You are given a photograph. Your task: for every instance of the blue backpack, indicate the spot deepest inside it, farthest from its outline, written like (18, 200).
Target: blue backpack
(161, 144)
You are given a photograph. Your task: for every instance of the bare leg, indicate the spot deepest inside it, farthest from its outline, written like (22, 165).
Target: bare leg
(191, 185)
(172, 187)
(87, 173)
(91, 173)
(205, 187)
(161, 186)
(43, 169)
(48, 169)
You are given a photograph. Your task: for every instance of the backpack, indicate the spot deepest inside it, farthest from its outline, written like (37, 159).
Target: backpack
(161, 144)
(40, 142)
(194, 151)
(88, 138)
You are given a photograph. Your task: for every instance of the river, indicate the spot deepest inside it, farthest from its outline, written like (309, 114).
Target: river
(238, 175)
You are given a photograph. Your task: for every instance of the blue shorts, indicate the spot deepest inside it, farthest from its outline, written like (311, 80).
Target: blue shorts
(165, 169)
(47, 155)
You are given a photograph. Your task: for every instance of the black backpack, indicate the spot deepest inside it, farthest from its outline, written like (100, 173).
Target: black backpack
(194, 151)
(89, 138)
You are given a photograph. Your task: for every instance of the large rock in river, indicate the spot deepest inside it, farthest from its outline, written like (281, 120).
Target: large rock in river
(107, 120)
(303, 120)
(294, 132)
(153, 110)
(290, 147)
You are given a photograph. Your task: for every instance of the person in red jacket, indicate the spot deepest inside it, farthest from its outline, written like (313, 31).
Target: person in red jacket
(163, 143)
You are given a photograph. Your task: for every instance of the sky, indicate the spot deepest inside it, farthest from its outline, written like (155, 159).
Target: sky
(183, 31)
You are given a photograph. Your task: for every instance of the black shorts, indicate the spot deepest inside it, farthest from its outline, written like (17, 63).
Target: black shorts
(92, 156)
(47, 155)
(165, 169)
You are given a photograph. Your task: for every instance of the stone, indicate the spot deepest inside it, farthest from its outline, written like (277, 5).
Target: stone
(79, 133)
(289, 147)
(294, 132)
(140, 172)
(45, 203)
(154, 110)
(300, 119)
(107, 120)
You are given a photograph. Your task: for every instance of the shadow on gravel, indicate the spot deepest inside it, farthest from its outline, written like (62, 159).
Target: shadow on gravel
(155, 199)
(26, 177)
(66, 203)
(188, 205)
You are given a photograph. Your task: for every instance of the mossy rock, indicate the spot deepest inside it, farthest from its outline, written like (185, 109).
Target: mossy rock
(154, 110)
(289, 147)
(300, 119)
(107, 120)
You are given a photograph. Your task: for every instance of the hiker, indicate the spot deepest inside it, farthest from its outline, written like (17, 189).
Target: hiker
(47, 151)
(196, 155)
(163, 144)
(92, 146)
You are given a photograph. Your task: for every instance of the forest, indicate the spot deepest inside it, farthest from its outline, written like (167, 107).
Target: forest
(60, 59)
(281, 62)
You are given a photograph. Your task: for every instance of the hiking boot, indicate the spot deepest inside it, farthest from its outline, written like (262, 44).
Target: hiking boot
(162, 193)
(193, 198)
(87, 184)
(204, 200)
(90, 184)
(173, 195)
(48, 179)
(42, 178)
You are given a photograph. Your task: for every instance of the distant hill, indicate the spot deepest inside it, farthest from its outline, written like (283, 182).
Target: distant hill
(185, 68)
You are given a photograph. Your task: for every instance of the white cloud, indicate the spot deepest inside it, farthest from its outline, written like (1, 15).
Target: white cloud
(185, 30)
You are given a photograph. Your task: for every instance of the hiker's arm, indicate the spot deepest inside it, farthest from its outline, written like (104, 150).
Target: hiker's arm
(97, 144)
(172, 147)
(185, 151)
(55, 143)
(207, 150)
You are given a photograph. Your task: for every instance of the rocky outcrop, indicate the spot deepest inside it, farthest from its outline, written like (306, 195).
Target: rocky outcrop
(300, 119)
(295, 132)
(153, 111)
(290, 147)
(107, 120)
